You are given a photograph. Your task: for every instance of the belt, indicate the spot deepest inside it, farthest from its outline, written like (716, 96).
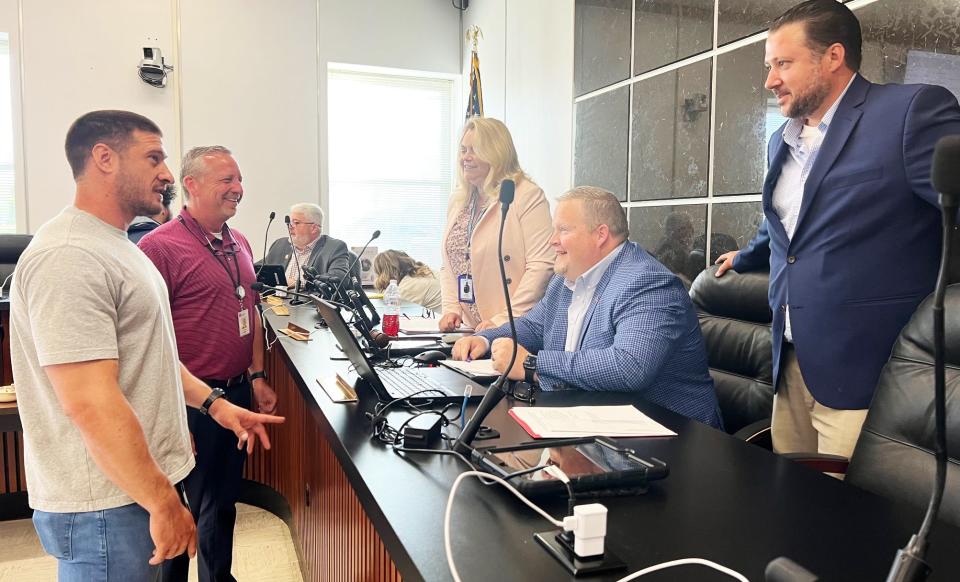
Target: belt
(238, 379)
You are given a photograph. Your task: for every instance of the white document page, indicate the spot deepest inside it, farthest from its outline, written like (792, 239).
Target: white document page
(579, 421)
(474, 368)
(425, 325)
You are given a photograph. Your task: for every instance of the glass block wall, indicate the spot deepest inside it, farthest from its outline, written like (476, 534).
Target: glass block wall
(671, 114)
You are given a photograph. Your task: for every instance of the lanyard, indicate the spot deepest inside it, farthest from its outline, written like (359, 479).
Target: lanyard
(474, 220)
(238, 289)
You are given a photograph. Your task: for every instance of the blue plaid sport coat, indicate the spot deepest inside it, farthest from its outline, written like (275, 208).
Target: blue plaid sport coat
(640, 334)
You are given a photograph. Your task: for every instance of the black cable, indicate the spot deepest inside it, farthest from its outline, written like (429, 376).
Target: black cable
(385, 433)
(506, 295)
(571, 499)
(940, 443)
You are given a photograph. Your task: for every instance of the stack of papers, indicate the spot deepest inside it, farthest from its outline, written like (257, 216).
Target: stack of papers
(414, 325)
(472, 369)
(582, 421)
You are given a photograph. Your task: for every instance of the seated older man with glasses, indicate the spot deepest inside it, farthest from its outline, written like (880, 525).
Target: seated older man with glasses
(329, 256)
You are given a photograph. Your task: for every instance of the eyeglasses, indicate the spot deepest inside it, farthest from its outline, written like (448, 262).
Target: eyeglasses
(298, 223)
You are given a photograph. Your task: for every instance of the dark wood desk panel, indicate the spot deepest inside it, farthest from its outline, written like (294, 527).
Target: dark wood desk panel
(335, 538)
(12, 476)
(726, 501)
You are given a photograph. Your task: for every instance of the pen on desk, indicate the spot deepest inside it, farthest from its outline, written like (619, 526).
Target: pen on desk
(407, 316)
(467, 390)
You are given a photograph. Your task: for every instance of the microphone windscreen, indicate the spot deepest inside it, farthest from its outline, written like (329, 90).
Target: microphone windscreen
(945, 173)
(376, 234)
(286, 218)
(273, 215)
(507, 190)
(258, 286)
(381, 339)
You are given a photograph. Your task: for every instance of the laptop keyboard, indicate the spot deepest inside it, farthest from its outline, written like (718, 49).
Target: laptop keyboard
(401, 382)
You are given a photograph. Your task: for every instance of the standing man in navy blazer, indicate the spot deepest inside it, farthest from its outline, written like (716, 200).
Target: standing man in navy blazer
(851, 231)
(612, 318)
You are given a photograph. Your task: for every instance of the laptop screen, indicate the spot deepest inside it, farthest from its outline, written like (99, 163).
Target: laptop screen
(351, 347)
(273, 275)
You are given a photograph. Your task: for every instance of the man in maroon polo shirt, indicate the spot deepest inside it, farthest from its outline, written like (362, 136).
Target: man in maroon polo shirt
(208, 268)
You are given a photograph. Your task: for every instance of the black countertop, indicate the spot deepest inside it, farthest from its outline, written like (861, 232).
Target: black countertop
(725, 501)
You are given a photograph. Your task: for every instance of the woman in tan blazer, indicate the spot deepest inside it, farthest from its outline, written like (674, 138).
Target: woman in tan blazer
(469, 246)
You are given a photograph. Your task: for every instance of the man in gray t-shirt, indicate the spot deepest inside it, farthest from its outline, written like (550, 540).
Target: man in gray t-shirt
(101, 391)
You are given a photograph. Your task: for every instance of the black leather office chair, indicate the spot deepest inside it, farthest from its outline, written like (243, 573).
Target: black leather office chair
(894, 455)
(735, 320)
(11, 247)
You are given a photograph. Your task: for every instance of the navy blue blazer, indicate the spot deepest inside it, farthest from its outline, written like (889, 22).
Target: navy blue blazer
(867, 244)
(640, 334)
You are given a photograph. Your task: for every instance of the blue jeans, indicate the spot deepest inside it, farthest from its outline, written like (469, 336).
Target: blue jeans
(99, 546)
(212, 489)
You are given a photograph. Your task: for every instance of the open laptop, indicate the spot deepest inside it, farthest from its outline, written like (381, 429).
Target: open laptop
(393, 383)
(273, 275)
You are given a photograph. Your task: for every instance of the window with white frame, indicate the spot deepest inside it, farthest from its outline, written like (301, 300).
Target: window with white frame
(8, 215)
(391, 157)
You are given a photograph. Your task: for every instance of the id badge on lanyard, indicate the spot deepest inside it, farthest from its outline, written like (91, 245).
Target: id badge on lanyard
(243, 322)
(465, 289)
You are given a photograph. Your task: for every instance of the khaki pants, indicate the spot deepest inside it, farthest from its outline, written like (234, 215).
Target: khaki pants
(800, 424)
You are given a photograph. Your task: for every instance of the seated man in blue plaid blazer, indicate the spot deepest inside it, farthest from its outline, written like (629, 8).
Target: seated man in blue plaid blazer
(612, 319)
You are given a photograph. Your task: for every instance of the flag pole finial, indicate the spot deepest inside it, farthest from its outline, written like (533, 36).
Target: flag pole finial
(472, 35)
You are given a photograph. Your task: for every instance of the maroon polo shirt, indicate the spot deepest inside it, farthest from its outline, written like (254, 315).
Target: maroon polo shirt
(202, 294)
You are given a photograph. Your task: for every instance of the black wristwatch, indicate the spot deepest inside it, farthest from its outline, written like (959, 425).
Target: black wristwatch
(529, 368)
(214, 394)
(258, 375)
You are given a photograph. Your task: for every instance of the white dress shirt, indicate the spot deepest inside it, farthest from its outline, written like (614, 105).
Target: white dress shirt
(302, 259)
(583, 289)
(803, 143)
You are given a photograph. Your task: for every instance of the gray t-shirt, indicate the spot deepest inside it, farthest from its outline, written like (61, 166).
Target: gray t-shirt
(83, 292)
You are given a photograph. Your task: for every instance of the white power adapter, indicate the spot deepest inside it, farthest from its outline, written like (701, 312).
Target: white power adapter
(589, 526)
(588, 522)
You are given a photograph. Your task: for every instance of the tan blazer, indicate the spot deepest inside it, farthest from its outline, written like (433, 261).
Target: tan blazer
(528, 258)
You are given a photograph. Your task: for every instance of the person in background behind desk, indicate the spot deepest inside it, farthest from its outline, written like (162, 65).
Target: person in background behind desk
(208, 268)
(613, 318)
(852, 230)
(329, 256)
(144, 224)
(417, 282)
(102, 393)
(470, 274)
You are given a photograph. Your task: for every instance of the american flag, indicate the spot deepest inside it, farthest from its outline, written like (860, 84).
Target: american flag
(475, 101)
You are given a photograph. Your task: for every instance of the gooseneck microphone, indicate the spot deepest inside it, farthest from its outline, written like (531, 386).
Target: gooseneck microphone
(909, 563)
(376, 235)
(261, 287)
(296, 259)
(266, 236)
(497, 391)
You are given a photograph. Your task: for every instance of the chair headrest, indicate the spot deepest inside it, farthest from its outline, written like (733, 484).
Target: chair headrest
(12, 246)
(916, 340)
(735, 295)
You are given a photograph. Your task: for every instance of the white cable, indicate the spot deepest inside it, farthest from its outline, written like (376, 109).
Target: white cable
(684, 562)
(449, 511)
(4, 284)
(481, 475)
